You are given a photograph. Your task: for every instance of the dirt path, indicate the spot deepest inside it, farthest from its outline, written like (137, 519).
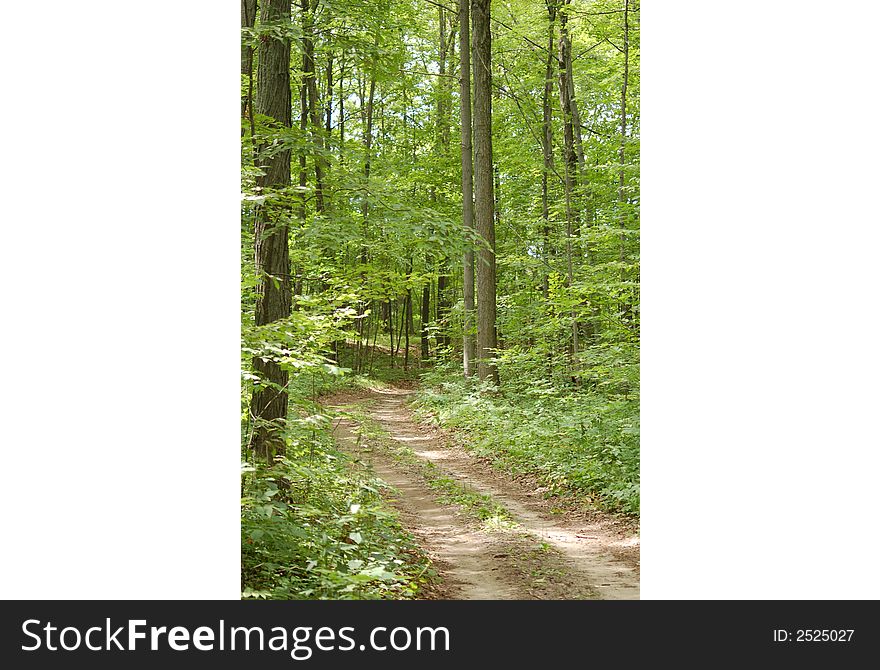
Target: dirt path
(534, 554)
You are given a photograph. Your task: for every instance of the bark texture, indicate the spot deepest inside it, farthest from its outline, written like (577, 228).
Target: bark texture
(248, 17)
(309, 8)
(547, 142)
(573, 159)
(484, 194)
(467, 186)
(269, 403)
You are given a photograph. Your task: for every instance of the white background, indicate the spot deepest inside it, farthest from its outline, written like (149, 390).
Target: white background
(120, 291)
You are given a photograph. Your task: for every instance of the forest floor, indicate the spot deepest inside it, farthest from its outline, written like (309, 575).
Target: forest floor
(491, 537)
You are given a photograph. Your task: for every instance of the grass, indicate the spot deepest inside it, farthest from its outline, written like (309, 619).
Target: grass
(583, 444)
(478, 506)
(314, 526)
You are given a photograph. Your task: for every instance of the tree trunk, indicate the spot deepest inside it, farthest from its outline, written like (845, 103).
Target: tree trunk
(467, 186)
(401, 317)
(567, 72)
(496, 175)
(303, 161)
(426, 317)
(367, 119)
(341, 107)
(391, 333)
(547, 151)
(621, 188)
(302, 209)
(408, 320)
(442, 144)
(547, 143)
(410, 324)
(366, 109)
(442, 306)
(572, 216)
(269, 402)
(309, 7)
(328, 101)
(484, 205)
(248, 17)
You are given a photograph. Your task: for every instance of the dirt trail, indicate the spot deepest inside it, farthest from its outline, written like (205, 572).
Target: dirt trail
(578, 556)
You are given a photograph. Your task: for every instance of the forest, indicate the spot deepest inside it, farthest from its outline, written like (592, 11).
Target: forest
(440, 299)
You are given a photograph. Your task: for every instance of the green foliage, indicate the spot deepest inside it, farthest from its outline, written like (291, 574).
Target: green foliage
(584, 443)
(314, 527)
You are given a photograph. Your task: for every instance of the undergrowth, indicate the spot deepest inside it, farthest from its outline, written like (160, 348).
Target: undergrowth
(584, 442)
(314, 526)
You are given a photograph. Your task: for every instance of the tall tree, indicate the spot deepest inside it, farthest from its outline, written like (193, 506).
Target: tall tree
(547, 142)
(303, 150)
(573, 156)
(271, 255)
(621, 186)
(248, 18)
(442, 147)
(467, 185)
(426, 318)
(309, 9)
(484, 194)
(367, 104)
